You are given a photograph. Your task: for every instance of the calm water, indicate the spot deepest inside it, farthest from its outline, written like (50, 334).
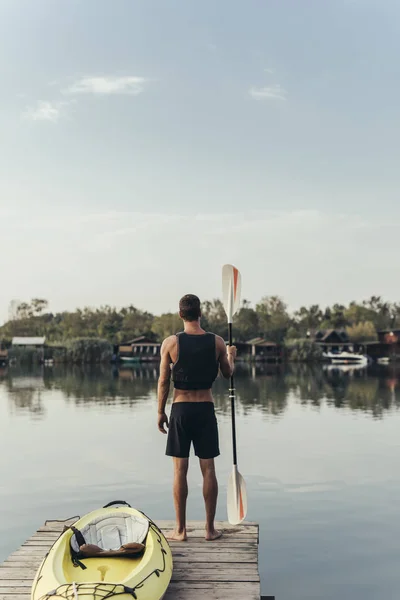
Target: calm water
(319, 450)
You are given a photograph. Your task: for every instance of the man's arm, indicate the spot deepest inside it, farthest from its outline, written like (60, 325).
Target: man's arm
(226, 357)
(163, 383)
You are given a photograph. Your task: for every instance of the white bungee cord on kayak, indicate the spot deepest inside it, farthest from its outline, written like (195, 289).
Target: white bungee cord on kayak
(75, 590)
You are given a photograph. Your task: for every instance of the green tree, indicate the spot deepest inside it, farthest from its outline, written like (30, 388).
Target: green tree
(24, 311)
(38, 306)
(110, 323)
(246, 323)
(166, 324)
(308, 319)
(338, 318)
(273, 318)
(334, 317)
(357, 313)
(362, 332)
(135, 322)
(384, 312)
(214, 317)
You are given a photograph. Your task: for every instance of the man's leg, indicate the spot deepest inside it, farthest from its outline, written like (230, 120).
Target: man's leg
(180, 496)
(210, 493)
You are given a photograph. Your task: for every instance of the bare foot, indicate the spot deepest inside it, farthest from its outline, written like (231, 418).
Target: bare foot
(213, 535)
(177, 536)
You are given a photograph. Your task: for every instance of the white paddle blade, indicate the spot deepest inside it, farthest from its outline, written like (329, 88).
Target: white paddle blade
(231, 289)
(237, 498)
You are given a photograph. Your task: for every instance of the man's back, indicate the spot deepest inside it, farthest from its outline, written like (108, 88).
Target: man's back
(193, 361)
(196, 365)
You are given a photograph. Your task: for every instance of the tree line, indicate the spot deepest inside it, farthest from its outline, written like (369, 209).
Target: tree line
(269, 319)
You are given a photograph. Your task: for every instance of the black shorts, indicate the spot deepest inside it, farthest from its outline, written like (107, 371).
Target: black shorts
(193, 422)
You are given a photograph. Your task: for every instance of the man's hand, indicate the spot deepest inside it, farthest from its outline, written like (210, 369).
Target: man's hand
(226, 357)
(231, 352)
(162, 418)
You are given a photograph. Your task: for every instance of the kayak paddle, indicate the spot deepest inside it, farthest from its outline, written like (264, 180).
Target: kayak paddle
(237, 496)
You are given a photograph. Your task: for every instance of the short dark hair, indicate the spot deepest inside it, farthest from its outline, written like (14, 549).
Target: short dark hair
(189, 307)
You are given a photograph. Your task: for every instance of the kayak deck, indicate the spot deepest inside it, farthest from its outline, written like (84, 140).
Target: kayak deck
(225, 568)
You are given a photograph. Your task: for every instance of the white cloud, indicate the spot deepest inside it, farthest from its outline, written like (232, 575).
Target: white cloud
(270, 71)
(274, 91)
(108, 85)
(44, 111)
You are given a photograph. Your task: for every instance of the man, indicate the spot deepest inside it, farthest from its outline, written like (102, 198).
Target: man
(193, 357)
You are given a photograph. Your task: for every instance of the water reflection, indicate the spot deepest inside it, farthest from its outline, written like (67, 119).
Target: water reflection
(266, 388)
(24, 392)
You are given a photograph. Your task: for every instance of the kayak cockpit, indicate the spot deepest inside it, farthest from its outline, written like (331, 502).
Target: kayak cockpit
(118, 535)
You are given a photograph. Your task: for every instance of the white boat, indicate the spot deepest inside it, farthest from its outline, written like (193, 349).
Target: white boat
(384, 360)
(346, 358)
(350, 369)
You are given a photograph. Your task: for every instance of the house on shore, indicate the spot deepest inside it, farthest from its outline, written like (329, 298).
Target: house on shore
(389, 336)
(337, 340)
(333, 340)
(387, 346)
(259, 349)
(37, 343)
(139, 349)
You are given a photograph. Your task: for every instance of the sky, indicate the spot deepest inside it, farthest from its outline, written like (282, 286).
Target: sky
(145, 143)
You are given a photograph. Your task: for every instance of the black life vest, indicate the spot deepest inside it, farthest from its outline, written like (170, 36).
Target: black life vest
(196, 367)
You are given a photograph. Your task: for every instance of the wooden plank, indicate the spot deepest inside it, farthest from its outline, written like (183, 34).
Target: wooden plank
(230, 533)
(218, 557)
(38, 543)
(215, 567)
(49, 537)
(20, 564)
(30, 552)
(218, 590)
(13, 590)
(23, 573)
(205, 584)
(195, 546)
(228, 592)
(222, 575)
(16, 583)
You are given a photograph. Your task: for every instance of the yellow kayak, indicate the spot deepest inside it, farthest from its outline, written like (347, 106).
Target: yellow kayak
(112, 551)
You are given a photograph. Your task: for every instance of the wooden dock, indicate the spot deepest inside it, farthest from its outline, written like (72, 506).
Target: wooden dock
(224, 569)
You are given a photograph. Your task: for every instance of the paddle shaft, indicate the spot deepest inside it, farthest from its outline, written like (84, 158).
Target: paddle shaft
(232, 397)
